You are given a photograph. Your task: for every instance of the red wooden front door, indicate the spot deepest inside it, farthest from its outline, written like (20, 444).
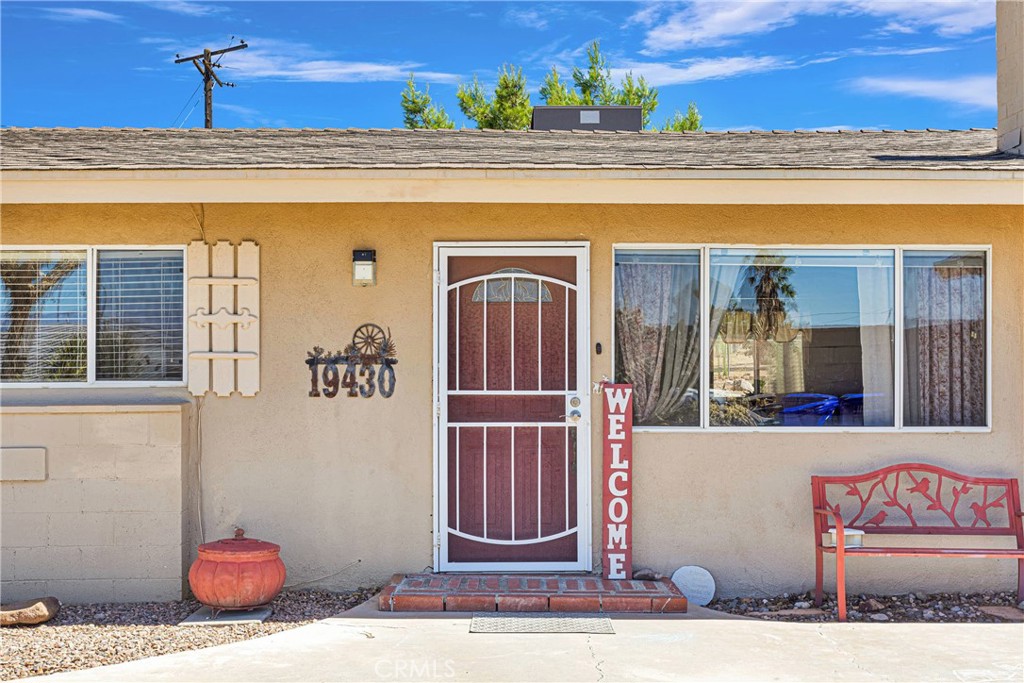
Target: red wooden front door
(513, 416)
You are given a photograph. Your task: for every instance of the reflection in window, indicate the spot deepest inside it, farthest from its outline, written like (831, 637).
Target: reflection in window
(657, 334)
(43, 316)
(801, 338)
(500, 291)
(944, 338)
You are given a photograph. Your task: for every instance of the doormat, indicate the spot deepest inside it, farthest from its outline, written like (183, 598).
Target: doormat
(533, 622)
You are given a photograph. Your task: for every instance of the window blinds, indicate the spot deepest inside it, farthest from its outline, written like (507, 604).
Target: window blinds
(139, 300)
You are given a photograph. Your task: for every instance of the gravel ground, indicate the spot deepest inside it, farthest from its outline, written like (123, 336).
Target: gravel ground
(84, 636)
(912, 607)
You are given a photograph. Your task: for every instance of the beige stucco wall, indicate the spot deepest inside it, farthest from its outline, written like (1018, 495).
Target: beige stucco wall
(1010, 74)
(337, 481)
(101, 520)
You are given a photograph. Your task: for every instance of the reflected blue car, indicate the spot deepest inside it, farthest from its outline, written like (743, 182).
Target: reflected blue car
(808, 410)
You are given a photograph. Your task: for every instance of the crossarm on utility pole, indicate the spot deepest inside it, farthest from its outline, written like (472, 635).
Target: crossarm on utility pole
(209, 77)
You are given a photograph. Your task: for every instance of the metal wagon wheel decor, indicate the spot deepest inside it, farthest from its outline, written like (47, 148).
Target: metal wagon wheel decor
(365, 368)
(367, 339)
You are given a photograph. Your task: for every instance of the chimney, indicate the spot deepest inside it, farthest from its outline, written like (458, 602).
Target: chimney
(1010, 74)
(588, 118)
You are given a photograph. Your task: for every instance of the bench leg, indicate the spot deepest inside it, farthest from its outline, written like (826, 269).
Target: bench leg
(818, 575)
(1020, 580)
(841, 585)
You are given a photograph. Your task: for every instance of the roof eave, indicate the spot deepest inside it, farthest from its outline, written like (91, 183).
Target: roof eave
(538, 185)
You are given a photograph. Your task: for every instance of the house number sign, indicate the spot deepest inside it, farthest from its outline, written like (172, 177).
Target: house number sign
(366, 366)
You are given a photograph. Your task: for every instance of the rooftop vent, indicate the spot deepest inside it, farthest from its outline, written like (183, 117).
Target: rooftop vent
(587, 118)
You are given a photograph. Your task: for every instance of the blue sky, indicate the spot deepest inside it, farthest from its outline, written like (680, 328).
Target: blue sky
(754, 64)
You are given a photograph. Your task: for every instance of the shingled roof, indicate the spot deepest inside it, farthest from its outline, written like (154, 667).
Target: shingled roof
(138, 149)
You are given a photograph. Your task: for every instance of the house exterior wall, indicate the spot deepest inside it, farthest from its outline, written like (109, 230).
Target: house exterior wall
(1010, 74)
(100, 518)
(346, 485)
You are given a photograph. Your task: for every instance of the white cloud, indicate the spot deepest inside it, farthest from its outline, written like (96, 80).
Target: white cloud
(272, 59)
(712, 23)
(530, 18)
(897, 27)
(972, 91)
(897, 51)
(238, 109)
(189, 9)
(282, 60)
(79, 14)
(250, 116)
(733, 129)
(695, 70)
(831, 129)
(945, 17)
(647, 15)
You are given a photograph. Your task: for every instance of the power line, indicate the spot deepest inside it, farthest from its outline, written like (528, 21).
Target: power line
(209, 76)
(184, 106)
(189, 114)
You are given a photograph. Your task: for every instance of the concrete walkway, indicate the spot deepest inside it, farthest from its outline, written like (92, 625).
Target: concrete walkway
(367, 645)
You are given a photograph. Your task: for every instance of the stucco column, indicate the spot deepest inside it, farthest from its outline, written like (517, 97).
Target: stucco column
(1010, 74)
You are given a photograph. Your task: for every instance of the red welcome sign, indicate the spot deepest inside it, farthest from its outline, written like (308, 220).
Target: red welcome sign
(617, 546)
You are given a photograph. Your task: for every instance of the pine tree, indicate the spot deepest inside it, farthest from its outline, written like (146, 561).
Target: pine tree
(680, 122)
(508, 109)
(419, 112)
(593, 86)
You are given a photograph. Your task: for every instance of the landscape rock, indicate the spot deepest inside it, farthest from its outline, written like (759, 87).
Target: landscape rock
(871, 605)
(28, 612)
(939, 608)
(78, 639)
(802, 605)
(879, 617)
(646, 574)
(800, 612)
(1003, 612)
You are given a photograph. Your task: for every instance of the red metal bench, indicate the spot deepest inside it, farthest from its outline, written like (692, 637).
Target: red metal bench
(913, 499)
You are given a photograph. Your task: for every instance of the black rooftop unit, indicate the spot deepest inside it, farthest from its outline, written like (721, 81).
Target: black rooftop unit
(587, 118)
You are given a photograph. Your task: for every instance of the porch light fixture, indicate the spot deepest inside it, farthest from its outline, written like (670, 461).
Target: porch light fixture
(364, 267)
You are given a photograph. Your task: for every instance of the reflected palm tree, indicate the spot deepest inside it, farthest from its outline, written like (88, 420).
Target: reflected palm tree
(769, 278)
(26, 284)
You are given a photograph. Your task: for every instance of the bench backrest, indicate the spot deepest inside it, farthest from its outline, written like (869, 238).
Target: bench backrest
(915, 498)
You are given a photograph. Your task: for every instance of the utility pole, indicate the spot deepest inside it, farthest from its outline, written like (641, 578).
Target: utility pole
(209, 77)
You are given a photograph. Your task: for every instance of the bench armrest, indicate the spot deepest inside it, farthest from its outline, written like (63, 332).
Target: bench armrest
(840, 529)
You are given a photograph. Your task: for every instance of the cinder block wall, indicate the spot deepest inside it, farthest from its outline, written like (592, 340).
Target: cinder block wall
(92, 502)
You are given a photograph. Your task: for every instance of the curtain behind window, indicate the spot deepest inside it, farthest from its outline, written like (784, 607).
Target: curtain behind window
(944, 311)
(657, 313)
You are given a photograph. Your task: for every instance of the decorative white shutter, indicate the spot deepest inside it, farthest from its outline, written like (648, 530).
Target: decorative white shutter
(223, 319)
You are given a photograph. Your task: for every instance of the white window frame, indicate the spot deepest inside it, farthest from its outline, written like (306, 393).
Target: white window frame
(705, 346)
(91, 252)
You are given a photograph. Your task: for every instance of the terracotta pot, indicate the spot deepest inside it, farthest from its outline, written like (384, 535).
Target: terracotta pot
(237, 573)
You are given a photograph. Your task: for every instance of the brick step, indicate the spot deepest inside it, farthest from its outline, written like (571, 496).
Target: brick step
(527, 593)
